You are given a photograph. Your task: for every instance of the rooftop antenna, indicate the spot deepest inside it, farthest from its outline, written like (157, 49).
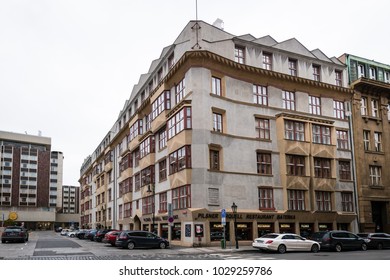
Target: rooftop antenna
(196, 26)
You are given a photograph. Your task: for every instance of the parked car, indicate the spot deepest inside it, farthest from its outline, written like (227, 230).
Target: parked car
(100, 234)
(72, 233)
(65, 231)
(284, 242)
(339, 240)
(81, 233)
(14, 234)
(140, 239)
(110, 237)
(377, 240)
(90, 234)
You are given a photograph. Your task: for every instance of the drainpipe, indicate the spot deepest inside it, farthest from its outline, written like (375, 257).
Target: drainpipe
(355, 190)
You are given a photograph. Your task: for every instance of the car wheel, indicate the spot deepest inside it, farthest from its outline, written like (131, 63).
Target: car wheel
(2, 241)
(282, 249)
(338, 248)
(163, 245)
(364, 247)
(130, 245)
(380, 246)
(315, 248)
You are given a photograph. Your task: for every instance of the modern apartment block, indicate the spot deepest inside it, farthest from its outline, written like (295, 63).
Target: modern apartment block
(25, 196)
(221, 120)
(370, 81)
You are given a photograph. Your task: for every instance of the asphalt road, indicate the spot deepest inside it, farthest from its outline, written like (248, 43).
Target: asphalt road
(48, 245)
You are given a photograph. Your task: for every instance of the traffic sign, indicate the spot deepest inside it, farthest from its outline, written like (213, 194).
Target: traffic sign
(223, 217)
(223, 213)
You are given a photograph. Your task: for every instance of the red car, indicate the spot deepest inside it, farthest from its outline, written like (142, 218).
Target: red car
(110, 237)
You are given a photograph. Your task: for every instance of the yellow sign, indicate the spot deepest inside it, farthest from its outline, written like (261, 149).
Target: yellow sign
(13, 216)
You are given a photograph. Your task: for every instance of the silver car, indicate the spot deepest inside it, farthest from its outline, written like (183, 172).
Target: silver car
(283, 242)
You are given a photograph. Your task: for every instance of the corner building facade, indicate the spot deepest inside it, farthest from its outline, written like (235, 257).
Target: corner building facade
(221, 119)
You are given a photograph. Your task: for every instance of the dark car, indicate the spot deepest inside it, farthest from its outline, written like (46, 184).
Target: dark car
(140, 239)
(339, 240)
(81, 233)
(90, 234)
(14, 234)
(377, 240)
(100, 234)
(110, 237)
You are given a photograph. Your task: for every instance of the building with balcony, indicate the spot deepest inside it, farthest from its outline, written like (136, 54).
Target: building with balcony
(222, 119)
(26, 194)
(370, 81)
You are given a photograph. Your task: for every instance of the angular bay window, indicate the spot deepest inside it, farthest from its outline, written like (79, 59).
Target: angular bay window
(321, 134)
(295, 165)
(147, 146)
(180, 159)
(296, 200)
(294, 130)
(322, 168)
(181, 197)
(162, 103)
(179, 122)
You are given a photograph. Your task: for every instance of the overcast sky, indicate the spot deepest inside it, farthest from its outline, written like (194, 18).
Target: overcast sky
(67, 67)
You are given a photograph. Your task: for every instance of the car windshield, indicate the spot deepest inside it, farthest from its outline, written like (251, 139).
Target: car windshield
(362, 234)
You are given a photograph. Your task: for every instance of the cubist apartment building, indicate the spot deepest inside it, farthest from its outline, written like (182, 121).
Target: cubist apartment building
(222, 120)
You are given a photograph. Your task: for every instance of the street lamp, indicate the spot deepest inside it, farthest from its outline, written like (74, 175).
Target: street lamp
(151, 190)
(234, 210)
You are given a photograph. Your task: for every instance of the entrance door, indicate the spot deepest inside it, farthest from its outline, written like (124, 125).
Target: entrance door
(378, 209)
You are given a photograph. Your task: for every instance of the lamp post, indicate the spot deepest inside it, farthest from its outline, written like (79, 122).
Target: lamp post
(234, 210)
(151, 190)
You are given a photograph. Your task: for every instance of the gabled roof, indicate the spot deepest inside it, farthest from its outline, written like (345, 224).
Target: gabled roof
(293, 45)
(266, 40)
(320, 55)
(246, 37)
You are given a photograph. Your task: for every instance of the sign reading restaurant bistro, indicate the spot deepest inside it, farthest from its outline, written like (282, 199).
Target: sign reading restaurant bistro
(247, 216)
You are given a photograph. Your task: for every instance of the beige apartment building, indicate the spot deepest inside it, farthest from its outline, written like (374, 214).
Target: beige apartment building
(221, 120)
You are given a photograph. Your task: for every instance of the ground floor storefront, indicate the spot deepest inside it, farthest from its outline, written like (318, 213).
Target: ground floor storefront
(200, 227)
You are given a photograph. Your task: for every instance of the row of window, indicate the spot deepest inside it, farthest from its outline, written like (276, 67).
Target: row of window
(267, 63)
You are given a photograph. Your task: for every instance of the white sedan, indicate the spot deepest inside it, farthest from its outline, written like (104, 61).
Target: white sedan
(283, 242)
